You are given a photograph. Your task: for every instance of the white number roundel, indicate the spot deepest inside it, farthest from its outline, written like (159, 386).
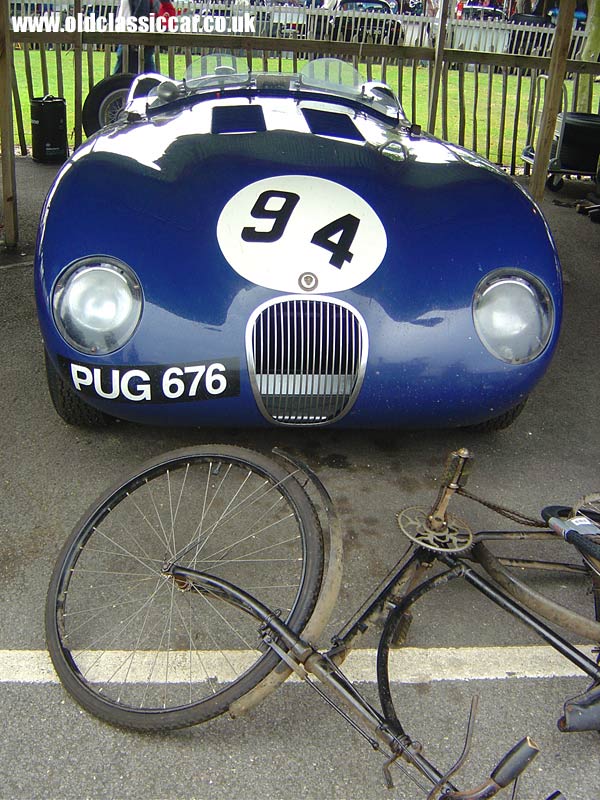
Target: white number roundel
(298, 233)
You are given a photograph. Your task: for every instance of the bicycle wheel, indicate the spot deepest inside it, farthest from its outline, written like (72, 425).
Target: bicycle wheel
(144, 650)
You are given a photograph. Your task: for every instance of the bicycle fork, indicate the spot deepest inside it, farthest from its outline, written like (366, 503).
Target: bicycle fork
(305, 661)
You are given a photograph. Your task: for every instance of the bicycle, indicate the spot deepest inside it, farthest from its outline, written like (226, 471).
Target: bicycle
(153, 605)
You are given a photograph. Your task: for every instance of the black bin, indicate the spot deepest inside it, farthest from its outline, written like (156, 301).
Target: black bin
(49, 129)
(580, 145)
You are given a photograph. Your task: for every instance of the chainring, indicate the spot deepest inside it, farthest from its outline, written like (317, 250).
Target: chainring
(454, 539)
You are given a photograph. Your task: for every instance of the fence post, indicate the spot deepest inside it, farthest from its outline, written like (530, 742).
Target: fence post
(77, 79)
(552, 97)
(438, 64)
(7, 139)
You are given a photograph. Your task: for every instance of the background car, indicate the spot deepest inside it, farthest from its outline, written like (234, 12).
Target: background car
(289, 250)
(279, 18)
(537, 41)
(482, 12)
(365, 21)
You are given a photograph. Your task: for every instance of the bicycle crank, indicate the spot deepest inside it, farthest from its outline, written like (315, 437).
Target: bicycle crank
(454, 537)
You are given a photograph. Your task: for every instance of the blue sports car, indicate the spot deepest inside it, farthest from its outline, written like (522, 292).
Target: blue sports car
(287, 249)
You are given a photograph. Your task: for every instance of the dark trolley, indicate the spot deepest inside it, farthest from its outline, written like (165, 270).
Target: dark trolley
(576, 144)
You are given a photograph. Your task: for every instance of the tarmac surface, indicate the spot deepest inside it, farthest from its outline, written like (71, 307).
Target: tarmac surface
(292, 745)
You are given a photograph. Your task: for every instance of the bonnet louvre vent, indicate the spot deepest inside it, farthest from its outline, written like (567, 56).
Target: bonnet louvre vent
(331, 123)
(238, 119)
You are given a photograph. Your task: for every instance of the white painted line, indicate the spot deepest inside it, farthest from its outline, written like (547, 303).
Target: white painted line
(424, 665)
(26, 666)
(16, 264)
(409, 665)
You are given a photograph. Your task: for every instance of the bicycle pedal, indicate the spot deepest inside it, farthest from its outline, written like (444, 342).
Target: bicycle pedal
(454, 538)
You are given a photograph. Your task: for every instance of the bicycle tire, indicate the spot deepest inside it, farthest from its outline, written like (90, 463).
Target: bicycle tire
(393, 636)
(139, 649)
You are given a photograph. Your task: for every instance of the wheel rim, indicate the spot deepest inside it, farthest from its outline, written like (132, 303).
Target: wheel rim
(137, 639)
(111, 106)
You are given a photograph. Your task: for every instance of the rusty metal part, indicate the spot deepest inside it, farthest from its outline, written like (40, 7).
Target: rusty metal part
(181, 584)
(509, 513)
(553, 612)
(404, 576)
(520, 535)
(465, 751)
(506, 772)
(582, 713)
(414, 522)
(543, 566)
(455, 477)
(488, 789)
(529, 563)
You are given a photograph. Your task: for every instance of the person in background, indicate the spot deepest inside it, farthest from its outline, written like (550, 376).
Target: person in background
(134, 9)
(166, 10)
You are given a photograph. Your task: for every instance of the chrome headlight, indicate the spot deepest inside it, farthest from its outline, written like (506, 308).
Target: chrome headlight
(97, 304)
(513, 315)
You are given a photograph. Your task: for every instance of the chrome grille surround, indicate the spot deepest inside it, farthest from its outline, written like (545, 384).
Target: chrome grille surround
(306, 358)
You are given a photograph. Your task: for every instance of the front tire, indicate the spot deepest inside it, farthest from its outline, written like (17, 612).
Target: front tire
(67, 403)
(500, 422)
(144, 650)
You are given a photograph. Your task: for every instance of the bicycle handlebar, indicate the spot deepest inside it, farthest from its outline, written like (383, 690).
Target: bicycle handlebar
(514, 762)
(583, 543)
(506, 771)
(576, 530)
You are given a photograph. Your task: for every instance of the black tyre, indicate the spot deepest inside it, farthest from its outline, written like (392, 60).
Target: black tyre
(393, 637)
(68, 404)
(555, 182)
(141, 650)
(105, 102)
(500, 422)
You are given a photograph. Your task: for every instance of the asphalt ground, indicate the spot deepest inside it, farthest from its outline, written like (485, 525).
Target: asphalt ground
(293, 745)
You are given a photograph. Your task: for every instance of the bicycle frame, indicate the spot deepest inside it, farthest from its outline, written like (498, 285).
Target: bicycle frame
(407, 582)
(383, 736)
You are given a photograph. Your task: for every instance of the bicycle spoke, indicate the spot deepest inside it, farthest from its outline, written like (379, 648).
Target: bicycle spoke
(123, 549)
(187, 469)
(143, 639)
(120, 628)
(209, 678)
(215, 556)
(236, 511)
(148, 522)
(119, 602)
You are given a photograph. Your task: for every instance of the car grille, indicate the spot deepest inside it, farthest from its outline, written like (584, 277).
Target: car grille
(306, 359)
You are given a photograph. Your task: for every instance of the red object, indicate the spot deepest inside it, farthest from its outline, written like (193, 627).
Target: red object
(167, 9)
(459, 9)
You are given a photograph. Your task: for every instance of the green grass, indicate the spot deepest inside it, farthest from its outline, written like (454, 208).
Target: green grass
(476, 130)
